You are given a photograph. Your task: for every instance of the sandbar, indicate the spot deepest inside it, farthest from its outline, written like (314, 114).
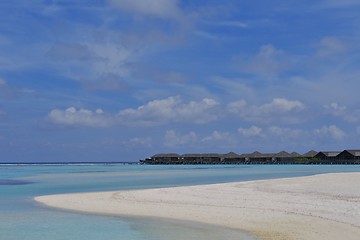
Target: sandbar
(319, 207)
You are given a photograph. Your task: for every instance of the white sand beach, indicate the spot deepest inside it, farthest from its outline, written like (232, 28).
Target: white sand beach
(320, 207)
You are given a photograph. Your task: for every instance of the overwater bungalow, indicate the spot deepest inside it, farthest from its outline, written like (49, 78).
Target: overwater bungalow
(349, 156)
(282, 157)
(309, 154)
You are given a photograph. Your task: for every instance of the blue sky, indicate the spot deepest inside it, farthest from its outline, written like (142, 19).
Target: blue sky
(118, 80)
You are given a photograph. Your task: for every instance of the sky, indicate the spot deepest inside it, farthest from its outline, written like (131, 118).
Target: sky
(120, 80)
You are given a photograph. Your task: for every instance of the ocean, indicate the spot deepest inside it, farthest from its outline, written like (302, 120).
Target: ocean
(22, 218)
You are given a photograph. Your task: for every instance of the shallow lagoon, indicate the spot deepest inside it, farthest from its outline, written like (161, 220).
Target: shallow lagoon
(22, 218)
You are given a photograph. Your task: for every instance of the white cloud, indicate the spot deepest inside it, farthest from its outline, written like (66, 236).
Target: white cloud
(330, 46)
(172, 139)
(155, 112)
(234, 86)
(82, 117)
(281, 105)
(352, 116)
(274, 138)
(349, 115)
(207, 35)
(10, 91)
(143, 141)
(285, 132)
(112, 58)
(287, 138)
(171, 109)
(253, 131)
(6, 90)
(268, 60)
(237, 107)
(217, 136)
(330, 131)
(167, 9)
(97, 66)
(280, 109)
(336, 109)
(238, 24)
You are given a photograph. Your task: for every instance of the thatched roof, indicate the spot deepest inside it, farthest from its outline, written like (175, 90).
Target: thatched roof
(199, 155)
(330, 154)
(231, 155)
(283, 154)
(295, 154)
(257, 154)
(355, 153)
(310, 154)
(166, 155)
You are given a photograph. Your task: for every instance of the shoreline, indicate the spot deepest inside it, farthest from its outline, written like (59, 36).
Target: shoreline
(325, 206)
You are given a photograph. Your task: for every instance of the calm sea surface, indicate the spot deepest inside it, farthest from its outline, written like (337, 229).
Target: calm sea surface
(22, 218)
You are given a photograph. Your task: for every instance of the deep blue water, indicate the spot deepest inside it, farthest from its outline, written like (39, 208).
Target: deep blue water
(22, 218)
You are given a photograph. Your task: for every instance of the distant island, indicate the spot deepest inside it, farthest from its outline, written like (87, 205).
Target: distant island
(283, 157)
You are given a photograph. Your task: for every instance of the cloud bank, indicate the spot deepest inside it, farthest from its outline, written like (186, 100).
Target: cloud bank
(79, 117)
(171, 109)
(279, 110)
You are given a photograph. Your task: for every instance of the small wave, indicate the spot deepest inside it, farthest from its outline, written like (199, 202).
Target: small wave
(14, 182)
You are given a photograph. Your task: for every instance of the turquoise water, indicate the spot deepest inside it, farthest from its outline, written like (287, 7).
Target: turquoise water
(22, 218)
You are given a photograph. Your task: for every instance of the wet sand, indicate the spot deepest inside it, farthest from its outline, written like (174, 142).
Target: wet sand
(317, 207)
